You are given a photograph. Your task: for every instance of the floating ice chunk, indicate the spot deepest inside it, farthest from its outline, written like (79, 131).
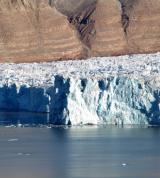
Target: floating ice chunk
(124, 164)
(13, 140)
(27, 154)
(19, 154)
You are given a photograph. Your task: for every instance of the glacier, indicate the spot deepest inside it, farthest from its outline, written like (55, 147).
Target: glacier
(122, 90)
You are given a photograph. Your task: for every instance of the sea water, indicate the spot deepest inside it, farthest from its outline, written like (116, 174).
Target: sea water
(79, 152)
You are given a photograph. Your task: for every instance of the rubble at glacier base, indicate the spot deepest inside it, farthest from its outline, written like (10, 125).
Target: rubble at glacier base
(109, 90)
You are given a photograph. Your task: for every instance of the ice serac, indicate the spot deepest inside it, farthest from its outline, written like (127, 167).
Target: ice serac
(115, 90)
(34, 30)
(110, 38)
(113, 100)
(144, 26)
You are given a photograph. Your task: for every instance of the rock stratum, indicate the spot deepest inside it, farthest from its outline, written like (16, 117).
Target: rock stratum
(115, 90)
(47, 30)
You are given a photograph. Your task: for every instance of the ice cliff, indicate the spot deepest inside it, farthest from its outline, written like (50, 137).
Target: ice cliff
(115, 90)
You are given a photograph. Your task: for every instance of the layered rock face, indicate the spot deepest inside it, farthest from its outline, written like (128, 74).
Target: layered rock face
(46, 30)
(126, 27)
(35, 31)
(109, 38)
(144, 26)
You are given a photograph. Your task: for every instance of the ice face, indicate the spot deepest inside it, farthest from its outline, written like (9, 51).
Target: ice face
(118, 90)
(113, 100)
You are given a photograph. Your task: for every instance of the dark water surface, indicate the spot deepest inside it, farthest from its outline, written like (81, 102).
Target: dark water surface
(87, 152)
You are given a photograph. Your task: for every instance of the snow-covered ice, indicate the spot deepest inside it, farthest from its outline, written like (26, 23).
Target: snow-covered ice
(108, 90)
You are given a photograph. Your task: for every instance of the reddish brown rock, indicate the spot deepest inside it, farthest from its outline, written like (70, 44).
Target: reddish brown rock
(110, 38)
(71, 7)
(33, 31)
(116, 27)
(143, 32)
(47, 30)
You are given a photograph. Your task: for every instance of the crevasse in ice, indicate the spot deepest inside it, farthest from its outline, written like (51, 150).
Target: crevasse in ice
(116, 90)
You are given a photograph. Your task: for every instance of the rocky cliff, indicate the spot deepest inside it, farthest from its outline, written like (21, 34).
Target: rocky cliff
(35, 31)
(144, 26)
(46, 30)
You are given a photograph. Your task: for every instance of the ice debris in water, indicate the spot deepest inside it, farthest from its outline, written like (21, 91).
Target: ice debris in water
(124, 164)
(13, 140)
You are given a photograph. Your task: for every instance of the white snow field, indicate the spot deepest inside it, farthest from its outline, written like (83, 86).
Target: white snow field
(109, 90)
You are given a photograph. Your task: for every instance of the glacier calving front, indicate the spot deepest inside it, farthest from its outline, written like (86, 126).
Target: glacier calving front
(116, 90)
